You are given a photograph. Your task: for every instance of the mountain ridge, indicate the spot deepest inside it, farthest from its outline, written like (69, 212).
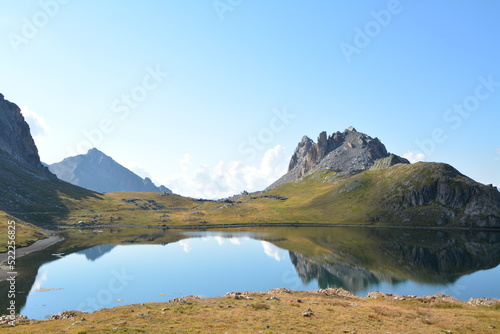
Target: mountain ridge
(99, 172)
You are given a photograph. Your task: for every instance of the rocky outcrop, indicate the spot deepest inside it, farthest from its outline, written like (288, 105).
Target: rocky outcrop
(349, 150)
(388, 161)
(448, 195)
(15, 136)
(99, 172)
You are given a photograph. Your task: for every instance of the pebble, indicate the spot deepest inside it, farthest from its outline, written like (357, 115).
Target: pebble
(308, 313)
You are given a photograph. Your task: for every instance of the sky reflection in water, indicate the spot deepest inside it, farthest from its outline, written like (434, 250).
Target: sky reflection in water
(210, 265)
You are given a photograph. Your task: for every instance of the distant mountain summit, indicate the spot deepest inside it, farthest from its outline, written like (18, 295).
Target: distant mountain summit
(345, 151)
(99, 172)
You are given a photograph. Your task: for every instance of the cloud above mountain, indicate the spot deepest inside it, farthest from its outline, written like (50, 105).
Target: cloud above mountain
(414, 156)
(228, 178)
(38, 126)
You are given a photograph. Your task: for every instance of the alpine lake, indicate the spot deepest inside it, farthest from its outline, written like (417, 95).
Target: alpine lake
(94, 269)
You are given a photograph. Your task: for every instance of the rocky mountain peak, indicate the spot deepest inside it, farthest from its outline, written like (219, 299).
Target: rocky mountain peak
(341, 151)
(99, 172)
(15, 135)
(94, 152)
(349, 150)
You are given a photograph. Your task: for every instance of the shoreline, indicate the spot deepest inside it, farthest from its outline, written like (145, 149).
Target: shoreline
(34, 247)
(244, 225)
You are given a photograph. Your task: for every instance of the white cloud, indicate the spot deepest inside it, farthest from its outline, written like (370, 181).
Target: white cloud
(273, 251)
(40, 279)
(137, 168)
(235, 241)
(38, 126)
(414, 157)
(186, 160)
(186, 245)
(220, 240)
(228, 178)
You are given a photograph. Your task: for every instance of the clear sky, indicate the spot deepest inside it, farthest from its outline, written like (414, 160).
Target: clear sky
(211, 97)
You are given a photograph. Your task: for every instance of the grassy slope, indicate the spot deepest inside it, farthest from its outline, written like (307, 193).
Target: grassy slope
(368, 197)
(28, 195)
(321, 198)
(25, 234)
(32, 195)
(331, 313)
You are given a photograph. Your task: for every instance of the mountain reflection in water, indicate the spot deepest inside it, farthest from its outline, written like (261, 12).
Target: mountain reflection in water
(366, 256)
(358, 259)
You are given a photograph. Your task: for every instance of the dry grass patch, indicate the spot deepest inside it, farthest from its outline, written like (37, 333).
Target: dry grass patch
(317, 313)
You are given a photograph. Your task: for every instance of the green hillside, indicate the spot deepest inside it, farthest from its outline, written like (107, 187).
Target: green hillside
(422, 194)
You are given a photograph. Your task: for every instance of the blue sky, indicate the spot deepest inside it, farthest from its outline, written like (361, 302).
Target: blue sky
(212, 97)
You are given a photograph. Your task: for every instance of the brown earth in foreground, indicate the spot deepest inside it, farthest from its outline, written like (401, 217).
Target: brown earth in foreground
(282, 311)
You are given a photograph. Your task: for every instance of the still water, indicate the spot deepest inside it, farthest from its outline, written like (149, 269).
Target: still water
(165, 265)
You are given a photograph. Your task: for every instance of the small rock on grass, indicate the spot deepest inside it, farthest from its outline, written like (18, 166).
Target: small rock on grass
(307, 313)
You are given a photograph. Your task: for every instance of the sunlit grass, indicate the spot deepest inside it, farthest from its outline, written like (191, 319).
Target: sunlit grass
(25, 233)
(330, 313)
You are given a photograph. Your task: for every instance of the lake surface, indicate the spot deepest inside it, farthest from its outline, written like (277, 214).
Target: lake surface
(157, 266)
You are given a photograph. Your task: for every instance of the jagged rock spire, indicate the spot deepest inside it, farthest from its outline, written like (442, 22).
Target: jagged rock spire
(341, 151)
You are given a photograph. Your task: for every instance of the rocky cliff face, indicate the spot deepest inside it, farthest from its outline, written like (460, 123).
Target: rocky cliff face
(388, 161)
(349, 150)
(99, 172)
(15, 136)
(442, 189)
